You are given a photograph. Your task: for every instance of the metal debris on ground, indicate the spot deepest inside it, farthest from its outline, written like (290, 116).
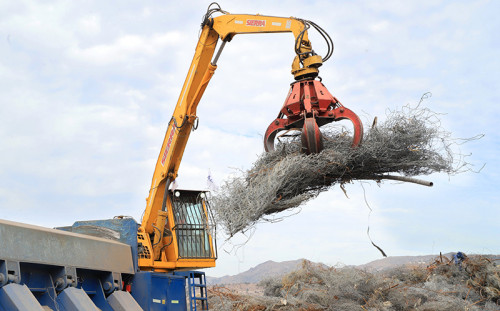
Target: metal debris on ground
(411, 142)
(441, 285)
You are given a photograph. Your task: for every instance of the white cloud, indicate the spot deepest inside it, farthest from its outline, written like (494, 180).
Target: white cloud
(127, 48)
(380, 26)
(90, 25)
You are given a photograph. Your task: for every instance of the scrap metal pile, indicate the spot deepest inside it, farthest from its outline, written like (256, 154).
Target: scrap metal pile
(410, 142)
(474, 284)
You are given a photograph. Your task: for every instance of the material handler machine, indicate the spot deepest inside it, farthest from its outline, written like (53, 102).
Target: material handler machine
(117, 264)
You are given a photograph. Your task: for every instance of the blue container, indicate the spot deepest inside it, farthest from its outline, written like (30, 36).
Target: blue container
(125, 229)
(159, 291)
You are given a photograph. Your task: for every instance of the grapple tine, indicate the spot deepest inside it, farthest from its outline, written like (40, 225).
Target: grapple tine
(343, 113)
(311, 137)
(276, 126)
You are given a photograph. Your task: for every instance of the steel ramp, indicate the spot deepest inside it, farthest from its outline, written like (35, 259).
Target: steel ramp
(16, 297)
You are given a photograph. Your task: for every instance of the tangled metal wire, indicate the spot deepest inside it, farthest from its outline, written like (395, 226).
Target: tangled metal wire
(411, 142)
(441, 285)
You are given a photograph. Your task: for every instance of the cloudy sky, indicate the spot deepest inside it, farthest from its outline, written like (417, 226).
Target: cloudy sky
(87, 89)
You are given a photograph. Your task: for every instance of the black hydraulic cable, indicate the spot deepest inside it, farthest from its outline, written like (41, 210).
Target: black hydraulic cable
(321, 31)
(327, 38)
(154, 244)
(165, 194)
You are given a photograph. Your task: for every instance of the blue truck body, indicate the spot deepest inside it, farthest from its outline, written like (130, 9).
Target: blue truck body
(75, 268)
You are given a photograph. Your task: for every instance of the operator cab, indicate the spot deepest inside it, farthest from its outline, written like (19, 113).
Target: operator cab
(193, 223)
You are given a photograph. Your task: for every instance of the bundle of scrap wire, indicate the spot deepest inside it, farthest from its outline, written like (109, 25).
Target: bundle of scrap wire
(411, 142)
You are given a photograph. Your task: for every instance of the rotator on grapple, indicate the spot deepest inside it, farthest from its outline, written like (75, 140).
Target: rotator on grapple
(309, 105)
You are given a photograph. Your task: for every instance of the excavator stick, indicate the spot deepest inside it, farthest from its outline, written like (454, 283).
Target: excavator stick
(309, 106)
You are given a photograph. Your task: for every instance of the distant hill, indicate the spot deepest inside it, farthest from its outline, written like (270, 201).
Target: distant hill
(271, 268)
(258, 273)
(392, 262)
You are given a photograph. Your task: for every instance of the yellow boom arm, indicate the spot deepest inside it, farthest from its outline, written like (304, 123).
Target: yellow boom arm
(158, 217)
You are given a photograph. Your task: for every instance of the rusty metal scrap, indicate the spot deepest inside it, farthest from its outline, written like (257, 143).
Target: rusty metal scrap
(410, 142)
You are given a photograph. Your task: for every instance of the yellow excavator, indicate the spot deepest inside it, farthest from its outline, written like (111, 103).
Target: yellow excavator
(172, 218)
(151, 266)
